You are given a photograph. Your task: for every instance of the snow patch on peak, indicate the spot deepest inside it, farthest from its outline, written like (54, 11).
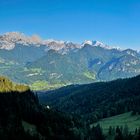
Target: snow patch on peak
(88, 42)
(92, 43)
(96, 44)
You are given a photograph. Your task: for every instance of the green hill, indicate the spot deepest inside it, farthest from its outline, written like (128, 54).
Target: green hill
(98, 100)
(132, 121)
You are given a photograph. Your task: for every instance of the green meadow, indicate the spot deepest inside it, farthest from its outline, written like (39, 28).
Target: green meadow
(132, 121)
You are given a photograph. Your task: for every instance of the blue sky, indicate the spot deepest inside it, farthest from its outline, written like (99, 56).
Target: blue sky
(114, 22)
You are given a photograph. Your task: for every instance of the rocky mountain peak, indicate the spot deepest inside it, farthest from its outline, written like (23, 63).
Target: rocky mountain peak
(10, 39)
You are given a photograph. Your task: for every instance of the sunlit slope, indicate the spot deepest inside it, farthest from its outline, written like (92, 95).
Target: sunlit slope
(8, 86)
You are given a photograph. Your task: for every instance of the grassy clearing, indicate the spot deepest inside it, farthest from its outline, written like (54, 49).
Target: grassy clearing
(133, 122)
(44, 85)
(90, 75)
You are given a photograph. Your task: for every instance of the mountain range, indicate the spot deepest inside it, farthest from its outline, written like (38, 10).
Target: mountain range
(47, 64)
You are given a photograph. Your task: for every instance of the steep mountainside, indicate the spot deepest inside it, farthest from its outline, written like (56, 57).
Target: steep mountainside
(53, 64)
(22, 117)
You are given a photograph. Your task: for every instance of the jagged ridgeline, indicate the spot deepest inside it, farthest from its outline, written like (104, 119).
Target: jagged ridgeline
(6, 85)
(50, 64)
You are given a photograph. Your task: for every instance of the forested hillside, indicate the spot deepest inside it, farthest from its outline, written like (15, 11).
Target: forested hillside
(22, 117)
(98, 100)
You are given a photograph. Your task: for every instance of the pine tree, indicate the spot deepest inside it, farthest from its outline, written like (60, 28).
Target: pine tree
(97, 133)
(119, 135)
(110, 130)
(125, 132)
